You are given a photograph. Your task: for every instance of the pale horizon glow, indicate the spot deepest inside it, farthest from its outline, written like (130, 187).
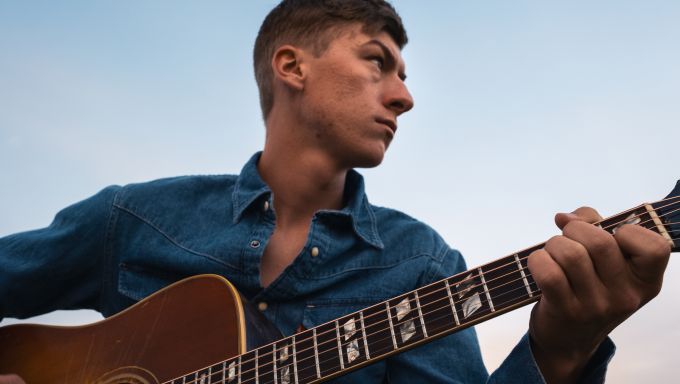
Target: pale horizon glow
(522, 109)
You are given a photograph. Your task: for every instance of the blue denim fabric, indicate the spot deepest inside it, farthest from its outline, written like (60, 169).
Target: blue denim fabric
(117, 247)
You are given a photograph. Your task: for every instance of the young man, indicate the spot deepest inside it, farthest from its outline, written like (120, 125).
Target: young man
(296, 234)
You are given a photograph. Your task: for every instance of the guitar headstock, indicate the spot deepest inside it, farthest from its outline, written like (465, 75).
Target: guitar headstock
(668, 211)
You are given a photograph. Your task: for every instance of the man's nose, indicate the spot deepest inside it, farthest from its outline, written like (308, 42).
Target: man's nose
(399, 99)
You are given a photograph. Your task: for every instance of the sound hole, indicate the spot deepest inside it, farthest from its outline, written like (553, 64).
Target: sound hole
(128, 375)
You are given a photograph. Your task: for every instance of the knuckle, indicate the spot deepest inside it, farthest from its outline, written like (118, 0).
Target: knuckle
(571, 256)
(601, 243)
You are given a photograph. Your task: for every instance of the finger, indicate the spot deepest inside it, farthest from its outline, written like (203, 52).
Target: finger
(603, 250)
(648, 252)
(550, 278)
(587, 214)
(576, 265)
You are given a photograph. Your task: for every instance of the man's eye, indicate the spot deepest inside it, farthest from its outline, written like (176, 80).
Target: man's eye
(378, 61)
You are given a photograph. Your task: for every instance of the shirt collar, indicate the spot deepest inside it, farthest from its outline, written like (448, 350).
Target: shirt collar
(250, 188)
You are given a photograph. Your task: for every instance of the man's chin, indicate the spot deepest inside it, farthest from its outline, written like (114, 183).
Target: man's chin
(370, 160)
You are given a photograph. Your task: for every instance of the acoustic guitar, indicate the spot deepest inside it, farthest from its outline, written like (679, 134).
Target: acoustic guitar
(201, 331)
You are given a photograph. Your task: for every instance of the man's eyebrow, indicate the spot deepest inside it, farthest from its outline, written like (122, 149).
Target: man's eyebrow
(388, 54)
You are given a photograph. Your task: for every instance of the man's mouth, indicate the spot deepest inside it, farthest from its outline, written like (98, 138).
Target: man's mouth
(391, 124)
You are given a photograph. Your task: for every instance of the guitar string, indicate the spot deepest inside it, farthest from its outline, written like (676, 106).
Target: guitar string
(334, 349)
(333, 330)
(335, 352)
(469, 278)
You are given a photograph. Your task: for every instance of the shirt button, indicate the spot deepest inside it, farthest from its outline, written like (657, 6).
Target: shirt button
(262, 306)
(266, 205)
(254, 243)
(315, 252)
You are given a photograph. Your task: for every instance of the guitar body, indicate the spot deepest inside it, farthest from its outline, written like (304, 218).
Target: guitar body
(160, 338)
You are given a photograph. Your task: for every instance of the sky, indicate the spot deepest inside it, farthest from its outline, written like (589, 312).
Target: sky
(522, 109)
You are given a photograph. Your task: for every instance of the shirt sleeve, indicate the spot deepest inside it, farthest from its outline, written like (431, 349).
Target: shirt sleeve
(60, 266)
(457, 358)
(521, 364)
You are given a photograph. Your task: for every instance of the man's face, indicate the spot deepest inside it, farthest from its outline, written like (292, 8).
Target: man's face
(352, 97)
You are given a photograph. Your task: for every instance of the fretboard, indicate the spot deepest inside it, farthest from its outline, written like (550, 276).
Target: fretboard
(406, 321)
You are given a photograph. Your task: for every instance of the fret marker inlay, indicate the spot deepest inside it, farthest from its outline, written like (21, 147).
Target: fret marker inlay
(350, 328)
(232, 371)
(465, 286)
(389, 318)
(453, 303)
(352, 351)
(407, 329)
(471, 305)
(632, 219)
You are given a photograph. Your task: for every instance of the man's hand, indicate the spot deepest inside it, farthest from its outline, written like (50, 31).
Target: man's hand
(11, 379)
(591, 282)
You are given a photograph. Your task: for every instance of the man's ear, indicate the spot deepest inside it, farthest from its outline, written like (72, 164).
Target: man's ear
(289, 66)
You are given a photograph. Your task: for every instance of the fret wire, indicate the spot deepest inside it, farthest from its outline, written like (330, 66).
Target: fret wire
(389, 317)
(257, 366)
(524, 277)
(363, 331)
(521, 270)
(486, 289)
(224, 371)
(274, 362)
(420, 313)
(240, 371)
(337, 333)
(295, 373)
(316, 354)
(453, 304)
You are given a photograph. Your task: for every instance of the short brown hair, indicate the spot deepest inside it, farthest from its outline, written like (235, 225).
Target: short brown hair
(309, 24)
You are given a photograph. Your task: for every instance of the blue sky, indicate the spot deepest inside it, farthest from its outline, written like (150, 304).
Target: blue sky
(523, 109)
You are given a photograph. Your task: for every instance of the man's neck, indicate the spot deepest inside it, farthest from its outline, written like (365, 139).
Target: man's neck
(302, 181)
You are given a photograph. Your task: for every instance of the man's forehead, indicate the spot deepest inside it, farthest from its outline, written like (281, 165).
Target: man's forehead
(381, 39)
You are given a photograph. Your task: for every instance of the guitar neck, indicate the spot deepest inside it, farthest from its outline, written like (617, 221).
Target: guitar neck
(411, 319)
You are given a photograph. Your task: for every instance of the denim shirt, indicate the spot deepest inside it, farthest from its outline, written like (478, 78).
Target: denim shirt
(124, 243)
